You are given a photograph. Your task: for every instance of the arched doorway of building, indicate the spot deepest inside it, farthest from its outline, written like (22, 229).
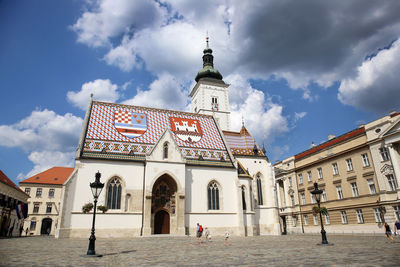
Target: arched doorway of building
(46, 226)
(163, 204)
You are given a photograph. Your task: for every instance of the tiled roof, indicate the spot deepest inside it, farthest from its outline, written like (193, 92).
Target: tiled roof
(332, 142)
(140, 128)
(4, 179)
(242, 143)
(55, 175)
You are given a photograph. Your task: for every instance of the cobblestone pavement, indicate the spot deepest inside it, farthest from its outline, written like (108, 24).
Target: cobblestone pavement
(291, 250)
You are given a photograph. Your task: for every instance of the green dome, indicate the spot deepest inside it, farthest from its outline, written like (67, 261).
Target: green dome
(208, 72)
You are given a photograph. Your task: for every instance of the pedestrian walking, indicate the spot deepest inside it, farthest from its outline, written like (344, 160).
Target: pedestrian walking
(207, 234)
(388, 232)
(227, 238)
(397, 228)
(199, 232)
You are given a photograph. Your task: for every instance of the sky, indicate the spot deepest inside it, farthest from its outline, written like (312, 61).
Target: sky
(298, 70)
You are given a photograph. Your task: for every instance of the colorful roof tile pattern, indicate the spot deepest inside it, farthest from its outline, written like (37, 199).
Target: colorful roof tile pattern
(103, 137)
(242, 143)
(4, 179)
(55, 175)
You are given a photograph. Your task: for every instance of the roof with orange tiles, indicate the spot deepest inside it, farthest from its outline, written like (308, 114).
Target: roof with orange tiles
(4, 179)
(55, 175)
(242, 143)
(332, 142)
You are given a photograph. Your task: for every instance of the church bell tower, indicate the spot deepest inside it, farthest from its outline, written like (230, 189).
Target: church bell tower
(210, 94)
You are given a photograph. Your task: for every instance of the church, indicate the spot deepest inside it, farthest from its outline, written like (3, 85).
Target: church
(164, 171)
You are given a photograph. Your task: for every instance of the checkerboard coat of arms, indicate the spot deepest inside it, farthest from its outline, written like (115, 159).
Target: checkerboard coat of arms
(130, 124)
(186, 129)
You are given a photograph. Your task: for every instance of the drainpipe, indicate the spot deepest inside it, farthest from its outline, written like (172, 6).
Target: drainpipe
(144, 187)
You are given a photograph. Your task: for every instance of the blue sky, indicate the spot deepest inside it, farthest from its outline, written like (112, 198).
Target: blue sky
(299, 70)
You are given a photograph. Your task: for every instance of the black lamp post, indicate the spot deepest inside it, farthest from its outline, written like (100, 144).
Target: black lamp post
(96, 187)
(317, 193)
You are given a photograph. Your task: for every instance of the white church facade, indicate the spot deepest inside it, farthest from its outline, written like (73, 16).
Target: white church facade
(165, 171)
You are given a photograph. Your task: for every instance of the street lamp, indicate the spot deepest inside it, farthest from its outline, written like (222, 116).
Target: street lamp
(96, 188)
(317, 193)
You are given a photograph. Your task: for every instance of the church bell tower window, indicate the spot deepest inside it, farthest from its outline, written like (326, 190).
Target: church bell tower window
(214, 103)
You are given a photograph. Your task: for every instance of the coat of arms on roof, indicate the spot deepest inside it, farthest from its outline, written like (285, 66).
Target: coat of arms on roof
(186, 129)
(130, 124)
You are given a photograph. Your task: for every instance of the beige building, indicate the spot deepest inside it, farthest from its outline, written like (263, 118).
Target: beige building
(384, 141)
(357, 172)
(45, 191)
(10, 197)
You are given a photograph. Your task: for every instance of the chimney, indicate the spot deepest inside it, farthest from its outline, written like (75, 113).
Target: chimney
(331, 136)
(312, 144)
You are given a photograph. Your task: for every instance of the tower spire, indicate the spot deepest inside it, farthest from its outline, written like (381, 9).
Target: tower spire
(208, 70)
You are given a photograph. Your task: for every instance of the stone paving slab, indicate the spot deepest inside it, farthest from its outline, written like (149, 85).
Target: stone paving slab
(290, 250)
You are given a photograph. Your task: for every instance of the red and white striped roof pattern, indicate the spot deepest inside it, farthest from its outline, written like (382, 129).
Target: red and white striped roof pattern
(101, 126)
(241, 143)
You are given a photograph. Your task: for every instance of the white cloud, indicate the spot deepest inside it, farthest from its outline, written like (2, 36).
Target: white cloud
(299, 115)
(165, 92)
(49, 138)
(110, 18)
(44, 160)
(376, 84)
(102, 90)
(262, 117)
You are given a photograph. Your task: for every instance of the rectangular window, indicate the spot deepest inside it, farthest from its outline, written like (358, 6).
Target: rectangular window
(39, 192)
(36, 208)
(349, 164)
(396, 210)
(214, 103)
(51, 192)
(320, 176)
(315, 219)
(28, 191)
(294, 221)
(360, 218)
(384, 153)
(365, 159)
(300, 178)
(344, 217)
(292, 199)
(303, 198)
(377, 214)
(309, 176)
(371, 186)
(48, 208)
(327, 219)
(305, 220)
(335, 169)
(339, 192)
(33, 226)
(323, 195)
(290, 181)
(312, 198)
(392, 182)
(354, 189)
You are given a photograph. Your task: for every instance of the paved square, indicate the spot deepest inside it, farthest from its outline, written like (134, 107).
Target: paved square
(291, 250)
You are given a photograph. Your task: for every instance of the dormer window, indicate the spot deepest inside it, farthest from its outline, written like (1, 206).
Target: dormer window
(165, 150)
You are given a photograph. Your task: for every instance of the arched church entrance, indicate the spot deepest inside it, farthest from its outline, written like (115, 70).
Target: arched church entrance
(163, 204)
(46, 226)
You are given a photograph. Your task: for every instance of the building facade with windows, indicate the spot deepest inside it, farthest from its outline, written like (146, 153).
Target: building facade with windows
(45, 191)
(10, 196)
(357, 174)
(384, 141)
(165, 171)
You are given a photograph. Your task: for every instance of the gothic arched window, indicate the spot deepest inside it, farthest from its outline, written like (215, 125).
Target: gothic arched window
(114, 191)
(165, 150)
(243, 198)
(259, 190)
(213, 196)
